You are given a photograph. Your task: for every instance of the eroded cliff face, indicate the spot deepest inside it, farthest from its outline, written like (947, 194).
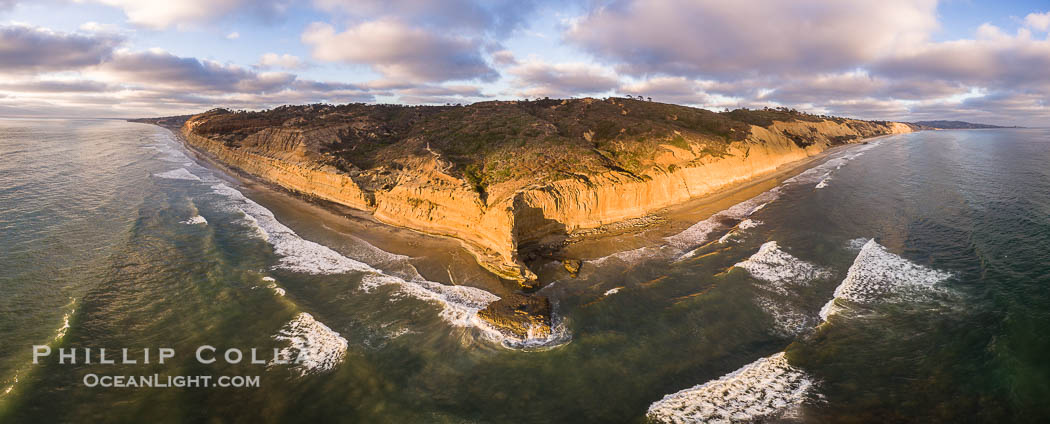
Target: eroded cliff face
(421, 193)
(583, 203)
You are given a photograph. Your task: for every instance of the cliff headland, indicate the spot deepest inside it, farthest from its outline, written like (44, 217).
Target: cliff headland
(510, 177)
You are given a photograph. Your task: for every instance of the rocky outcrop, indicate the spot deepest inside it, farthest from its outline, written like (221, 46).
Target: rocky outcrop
(421, 193)
(519, 316)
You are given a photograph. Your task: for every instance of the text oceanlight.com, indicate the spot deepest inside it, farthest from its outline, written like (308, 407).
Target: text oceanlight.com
(162, 381)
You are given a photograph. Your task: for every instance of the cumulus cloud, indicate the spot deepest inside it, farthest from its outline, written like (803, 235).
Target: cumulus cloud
(26, 48)
(994, 59)
(1039, 21)
(182, 13)
(496, 17)
(540, 79)
(286, 61)
(400, 52)
(233, 35)
(715, 38)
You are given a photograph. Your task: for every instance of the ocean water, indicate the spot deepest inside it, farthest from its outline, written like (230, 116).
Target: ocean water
(903, 280)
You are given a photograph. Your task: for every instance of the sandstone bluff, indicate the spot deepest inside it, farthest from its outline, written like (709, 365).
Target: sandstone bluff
(510, 177)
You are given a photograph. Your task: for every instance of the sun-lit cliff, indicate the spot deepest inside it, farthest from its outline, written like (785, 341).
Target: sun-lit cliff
(505, 177)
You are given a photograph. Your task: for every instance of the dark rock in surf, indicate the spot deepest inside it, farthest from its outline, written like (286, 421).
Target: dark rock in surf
(519, 316)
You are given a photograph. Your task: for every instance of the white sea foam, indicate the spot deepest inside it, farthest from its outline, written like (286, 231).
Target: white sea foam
(762, 389)
(823, 183)
(878, 275)
(722, 239)
(628, 256)
(272, 285)
(312, 346)
(195, 220)
(749, 223)
(559, 335)
(168, 152)
(857, 243)
(788, 319)
(297, 254)
(782, 273)
(698, 233)
(821, 174)
(178, 174)
(746, 224)
(460, 304)
(780, 269)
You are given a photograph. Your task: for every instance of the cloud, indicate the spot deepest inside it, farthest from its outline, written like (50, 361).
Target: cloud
(1039, 21)
(57, 86)
(679, 90)
(503, 58)
(233, 35)
(474, 17)
(994, 59)
(185, 13)
(286, 61)
(720, 39)
(400, 52)
(33, 49)
(440, 94)
(539, 79)
(157, 68)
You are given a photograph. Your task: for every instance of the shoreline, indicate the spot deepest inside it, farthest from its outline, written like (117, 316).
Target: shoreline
(360, 218)
(581, 244)
(673, 219)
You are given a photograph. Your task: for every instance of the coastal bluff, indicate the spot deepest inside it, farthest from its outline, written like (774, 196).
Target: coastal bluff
(505, 177)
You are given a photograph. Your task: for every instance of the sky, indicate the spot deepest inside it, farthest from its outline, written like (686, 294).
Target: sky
(910, 60)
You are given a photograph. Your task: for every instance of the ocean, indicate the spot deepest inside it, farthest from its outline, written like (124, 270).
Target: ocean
(906, 279)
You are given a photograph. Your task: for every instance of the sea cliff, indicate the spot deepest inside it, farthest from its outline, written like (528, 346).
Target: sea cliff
(505, 177)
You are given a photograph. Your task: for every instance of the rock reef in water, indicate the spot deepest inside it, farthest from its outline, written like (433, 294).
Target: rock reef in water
(519, 316)
(508, 177)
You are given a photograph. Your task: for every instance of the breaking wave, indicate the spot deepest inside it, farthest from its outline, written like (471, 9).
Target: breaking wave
(297, 254)
(460, 304)
(782, 272)
(195, 220)
(878, 275)
(824, 182)
(762, 389)
(178, 174)
(271, 284)
(681, 245)
(780, 269)
(312, 346)
(55, 338)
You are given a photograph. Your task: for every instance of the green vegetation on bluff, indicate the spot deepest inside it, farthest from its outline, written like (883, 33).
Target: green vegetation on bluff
(490, 142)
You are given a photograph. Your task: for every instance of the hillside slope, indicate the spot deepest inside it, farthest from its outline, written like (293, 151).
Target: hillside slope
(505, 176)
